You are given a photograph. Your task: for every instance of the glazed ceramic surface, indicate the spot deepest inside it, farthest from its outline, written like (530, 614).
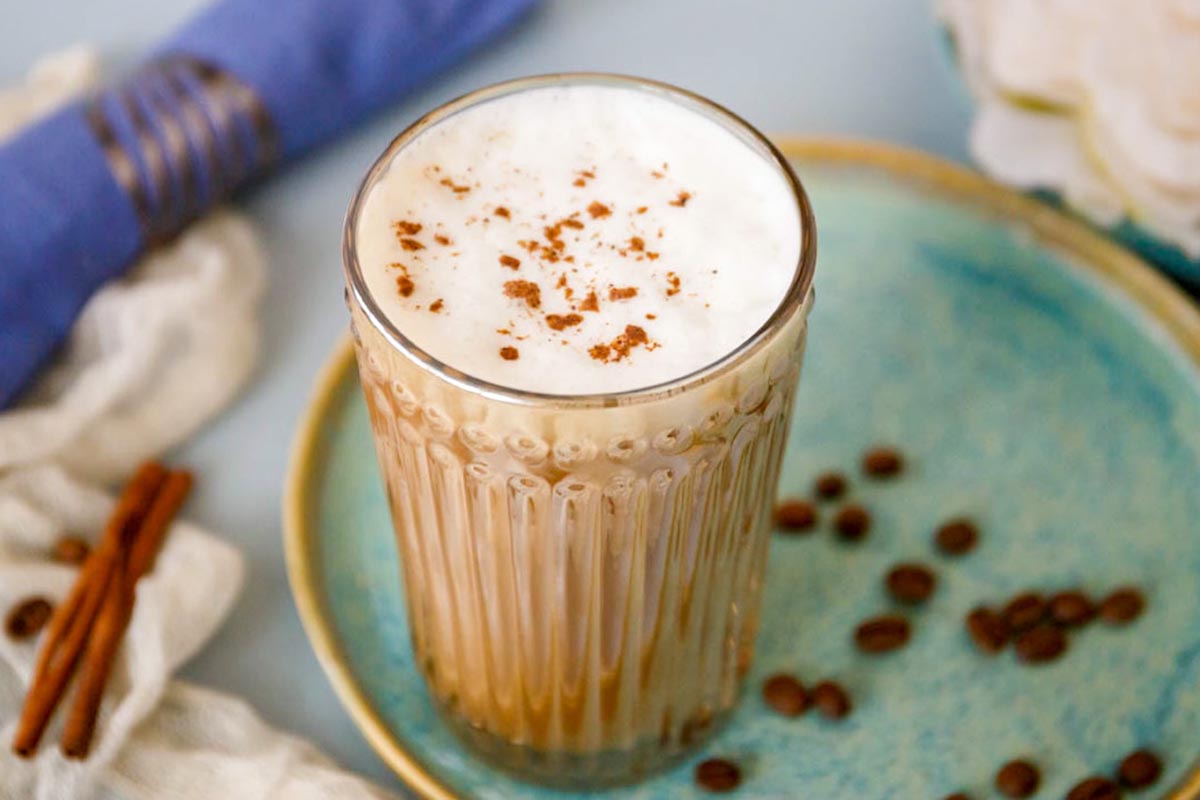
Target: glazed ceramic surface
(1039, 379)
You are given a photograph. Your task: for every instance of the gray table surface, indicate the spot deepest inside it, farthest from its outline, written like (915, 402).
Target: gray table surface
(866, 68)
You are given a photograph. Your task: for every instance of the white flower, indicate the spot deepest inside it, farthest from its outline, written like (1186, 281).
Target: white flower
(1098, 100)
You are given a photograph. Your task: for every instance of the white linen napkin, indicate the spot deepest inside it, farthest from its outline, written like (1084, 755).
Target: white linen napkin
(151, 358)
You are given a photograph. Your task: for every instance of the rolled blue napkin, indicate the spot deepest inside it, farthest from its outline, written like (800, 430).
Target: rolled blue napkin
(244, 87)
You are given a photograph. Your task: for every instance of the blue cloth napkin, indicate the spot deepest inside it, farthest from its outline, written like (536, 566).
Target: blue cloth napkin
(245, 86)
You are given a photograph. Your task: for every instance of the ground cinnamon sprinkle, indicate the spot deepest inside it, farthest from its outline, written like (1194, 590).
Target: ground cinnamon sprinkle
(682, 199)
(411, 244)
(456, 188)
(437, 305)
(407, 228)
(510, 262)
(598, 210)
(643, 209)
(622, 292)
(562, 281)
(590, 303)
(442, 240)
(651, 316)
(405, 285)
(528, 244)
(509, 353)
(619, 347)
(528, 291)
(501, 211)
(673, 283)
(579, 182)
(503, 331)
(650, 254)
(571, 222)
(560, 322)
(637, 244)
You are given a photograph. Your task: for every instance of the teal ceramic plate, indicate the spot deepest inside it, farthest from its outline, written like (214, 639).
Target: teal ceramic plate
(1040, 379)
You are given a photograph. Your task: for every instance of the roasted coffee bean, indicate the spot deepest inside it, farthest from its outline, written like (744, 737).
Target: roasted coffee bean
(1122, 606)
(70, 550)
(852, 522)
(1024, 611)
(910, 583)
(1018, 779)
(1139, 769)
(718, 775)
(1041, 643)
(958, 796)
(796, 516)
(830, 485)
(1095, 788)
(786, 695)
(27, 618)
(956, 537)
(1072, 609)
(831, 700)
(988, 630)
(882, 634)
(882, 462)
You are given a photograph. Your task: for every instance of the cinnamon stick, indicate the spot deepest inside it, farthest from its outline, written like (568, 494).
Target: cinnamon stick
(71, 624)
(116, 612)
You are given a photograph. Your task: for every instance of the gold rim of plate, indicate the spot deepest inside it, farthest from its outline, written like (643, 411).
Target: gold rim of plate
(1151, 290)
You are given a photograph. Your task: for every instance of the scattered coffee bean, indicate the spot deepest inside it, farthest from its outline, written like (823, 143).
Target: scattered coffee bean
(1041, 643)
(796, 516)
(718, 775)
(958, 796)
(882, 462)
(956, 537)
(27, 618)
(70, 550)
(786, 695)
(830, 485)
(882, 634)
(852, 522)
(1122, 606)
(1095, 788)
(988, 630)
(1072, 609)
(1024, 611)
(1139, 769)
(831, 700)
(910, 583)
(1018, 779)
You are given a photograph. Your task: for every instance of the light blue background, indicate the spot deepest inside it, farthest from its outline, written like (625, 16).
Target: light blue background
(869, 68)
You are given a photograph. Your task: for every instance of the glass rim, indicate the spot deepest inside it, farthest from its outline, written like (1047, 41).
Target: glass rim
(790, 303)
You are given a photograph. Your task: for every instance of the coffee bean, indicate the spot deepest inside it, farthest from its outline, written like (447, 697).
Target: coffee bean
(830, 485)
(70, 550)
(1024, 611)
(988, 630)
(786, 695)
(831, 700)
(958, 796)
(1139, 769)
(852, 522)
(1122, 606)
(796, 516)
(882, 634)
(956, 537)
(1072, 609)
(1018, 779)
(1095, 788)
(718, 775)
(882, 462)
(910, 583)
(1041, 643)
(27, 618)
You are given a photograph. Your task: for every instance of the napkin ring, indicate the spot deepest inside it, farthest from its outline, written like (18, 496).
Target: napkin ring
(180, 136)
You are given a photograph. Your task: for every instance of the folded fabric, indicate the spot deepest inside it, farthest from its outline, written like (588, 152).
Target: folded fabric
(244, 87)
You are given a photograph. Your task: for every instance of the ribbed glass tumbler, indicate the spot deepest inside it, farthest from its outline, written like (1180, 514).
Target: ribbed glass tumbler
(583, 574)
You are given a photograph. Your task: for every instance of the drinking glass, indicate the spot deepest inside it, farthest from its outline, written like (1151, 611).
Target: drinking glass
(583, 574)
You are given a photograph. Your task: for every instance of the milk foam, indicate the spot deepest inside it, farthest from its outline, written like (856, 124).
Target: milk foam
(578, 239)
